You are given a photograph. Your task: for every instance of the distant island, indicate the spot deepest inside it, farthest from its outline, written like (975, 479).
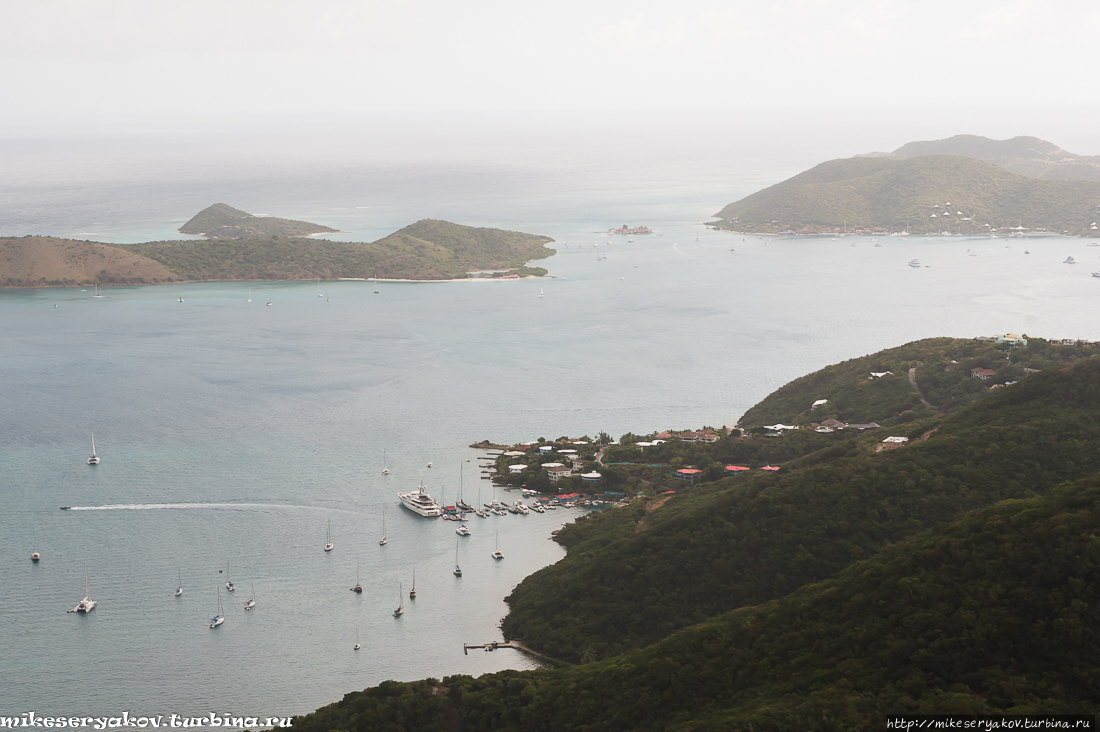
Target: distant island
(426, 250)
(225, 222)
(913, 191)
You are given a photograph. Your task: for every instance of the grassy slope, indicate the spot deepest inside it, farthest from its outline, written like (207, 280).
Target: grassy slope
(996, 612)
(1024, 155)
(222, 221)
(31, 261)
(870, 192)
(747, 540)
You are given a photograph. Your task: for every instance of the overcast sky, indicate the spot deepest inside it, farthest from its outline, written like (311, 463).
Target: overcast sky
(894, 70)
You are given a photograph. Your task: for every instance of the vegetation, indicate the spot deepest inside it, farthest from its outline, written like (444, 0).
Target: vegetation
(426, 250)
(225, 222)
(996, 612)
(869, 193)
(1025, 155)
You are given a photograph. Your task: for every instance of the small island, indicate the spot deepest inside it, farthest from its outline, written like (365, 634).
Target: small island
(225, 222)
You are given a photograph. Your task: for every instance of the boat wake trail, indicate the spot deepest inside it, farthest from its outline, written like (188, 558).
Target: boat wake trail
(151, 506)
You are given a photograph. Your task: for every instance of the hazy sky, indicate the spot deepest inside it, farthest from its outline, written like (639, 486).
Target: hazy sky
(848, 76)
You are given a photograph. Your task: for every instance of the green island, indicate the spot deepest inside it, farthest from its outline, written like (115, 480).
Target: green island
(923, 540)
(426, 250)
(221, 221)
(965, 185)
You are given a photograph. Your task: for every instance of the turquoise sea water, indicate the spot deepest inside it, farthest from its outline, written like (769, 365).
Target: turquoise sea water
(233, 431)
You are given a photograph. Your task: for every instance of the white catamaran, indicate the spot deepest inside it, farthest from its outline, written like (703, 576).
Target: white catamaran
(94, 459)
(87, 604)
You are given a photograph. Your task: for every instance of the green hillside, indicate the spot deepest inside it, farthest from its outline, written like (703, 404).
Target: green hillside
(225, 222)
(426, 250)
(1024, 155)
(994, 613)
(888, 195)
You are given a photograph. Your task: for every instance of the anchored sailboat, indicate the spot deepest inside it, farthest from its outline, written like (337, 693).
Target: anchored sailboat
(219, 618)
(252, 601)
(412, 592)
(35, 556)
(179, 589)
(94, 459)
(358, 587)
(497, 554)
(249, 295)
(328, 542)
(228, 583)
(382, 541)
(458, 569)
(356, 646)
(87, 604)
(400, 605)
(385, 470)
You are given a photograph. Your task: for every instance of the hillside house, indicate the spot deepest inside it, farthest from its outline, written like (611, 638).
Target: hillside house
(517, 468)
(893, 443)
(983, 374)
(558, 472)
(818, 403)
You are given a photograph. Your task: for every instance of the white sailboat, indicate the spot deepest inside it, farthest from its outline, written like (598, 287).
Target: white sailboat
(328, 543)
(385, 470)
(252, 600)
(400, 605)
(358, 587)
(94, 459)
(356, 646)
(497, 554)
(219, 618)
(382, 541)
(229, 586)
(87, 604)
(179, 589)
(458, 569)
(541, 293)
(35, 556)
(412, 592)
(97, 292)
(319, 294)
(249, 295)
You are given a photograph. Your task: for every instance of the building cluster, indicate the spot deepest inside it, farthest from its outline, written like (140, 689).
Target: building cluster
(625, 230)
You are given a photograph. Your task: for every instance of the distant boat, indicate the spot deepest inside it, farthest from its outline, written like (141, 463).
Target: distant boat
(249, 295)
(228, 584)
(1070, 260)
(458, 569)
(328, 543)
(270, 304)
(462, 530)
(400, 605)
(35, 556)
(97, 292)
(541, 293)
(319, 294)
(179, 589)
(179, 299)
(94, 459)
(252, 600)
(385, 470)
(1096, 274)
(382, 541)
(1026, 252)
(497, 554)
(356, 646)
(358, 587)
(429, 465)
(412, 592)
(914, 262)
(87, 604)
(219, 618)
(419, 502)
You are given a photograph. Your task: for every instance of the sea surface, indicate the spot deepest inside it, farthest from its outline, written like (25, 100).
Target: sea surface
(236, 433)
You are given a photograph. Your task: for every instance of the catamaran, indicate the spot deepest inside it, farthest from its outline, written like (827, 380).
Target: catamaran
(94, 459)
(219, 618)
(328, 542)
(497, 554)
(252, 600)
(87, 604)
(462, 530)
(382, 541)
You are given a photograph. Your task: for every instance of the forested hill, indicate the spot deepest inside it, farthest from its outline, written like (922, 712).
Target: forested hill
(426, 250)
(221, 221)
(890, 195)
(958, 573)
(994, 613)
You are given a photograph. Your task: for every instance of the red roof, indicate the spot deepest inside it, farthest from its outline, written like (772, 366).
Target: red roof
(689, 471)
(735, 468)
(665, 493)
(769, 467)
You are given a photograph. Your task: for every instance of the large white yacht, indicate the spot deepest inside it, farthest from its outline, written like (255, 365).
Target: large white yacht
(419, 502)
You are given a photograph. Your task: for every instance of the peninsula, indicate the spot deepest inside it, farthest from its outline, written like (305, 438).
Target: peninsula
(426, 250)
(919, 190)
(920, 539)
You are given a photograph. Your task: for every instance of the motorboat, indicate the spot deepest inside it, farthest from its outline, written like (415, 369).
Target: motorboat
(420, 503)
(462, 530)
(914, 262)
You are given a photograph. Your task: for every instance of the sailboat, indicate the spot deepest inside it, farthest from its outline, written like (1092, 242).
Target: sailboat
(358, 587)
(328, 544)
(541, 293)
(412, 592)
(458, 569)
(356, 646)
(375, 283)
(228, 584)
(383, 540)
(252, 600)
(385, 470)
(97, 292)
(219, 618)
(400, 605)
(249, 295)
(87, 604)
(497, 554)
(319, 294)
(93, 460)
(35, 556)
(179, 589)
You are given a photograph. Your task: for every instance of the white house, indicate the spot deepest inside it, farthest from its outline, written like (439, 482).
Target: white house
(517, 468)
(558, 472)
(592, 477)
